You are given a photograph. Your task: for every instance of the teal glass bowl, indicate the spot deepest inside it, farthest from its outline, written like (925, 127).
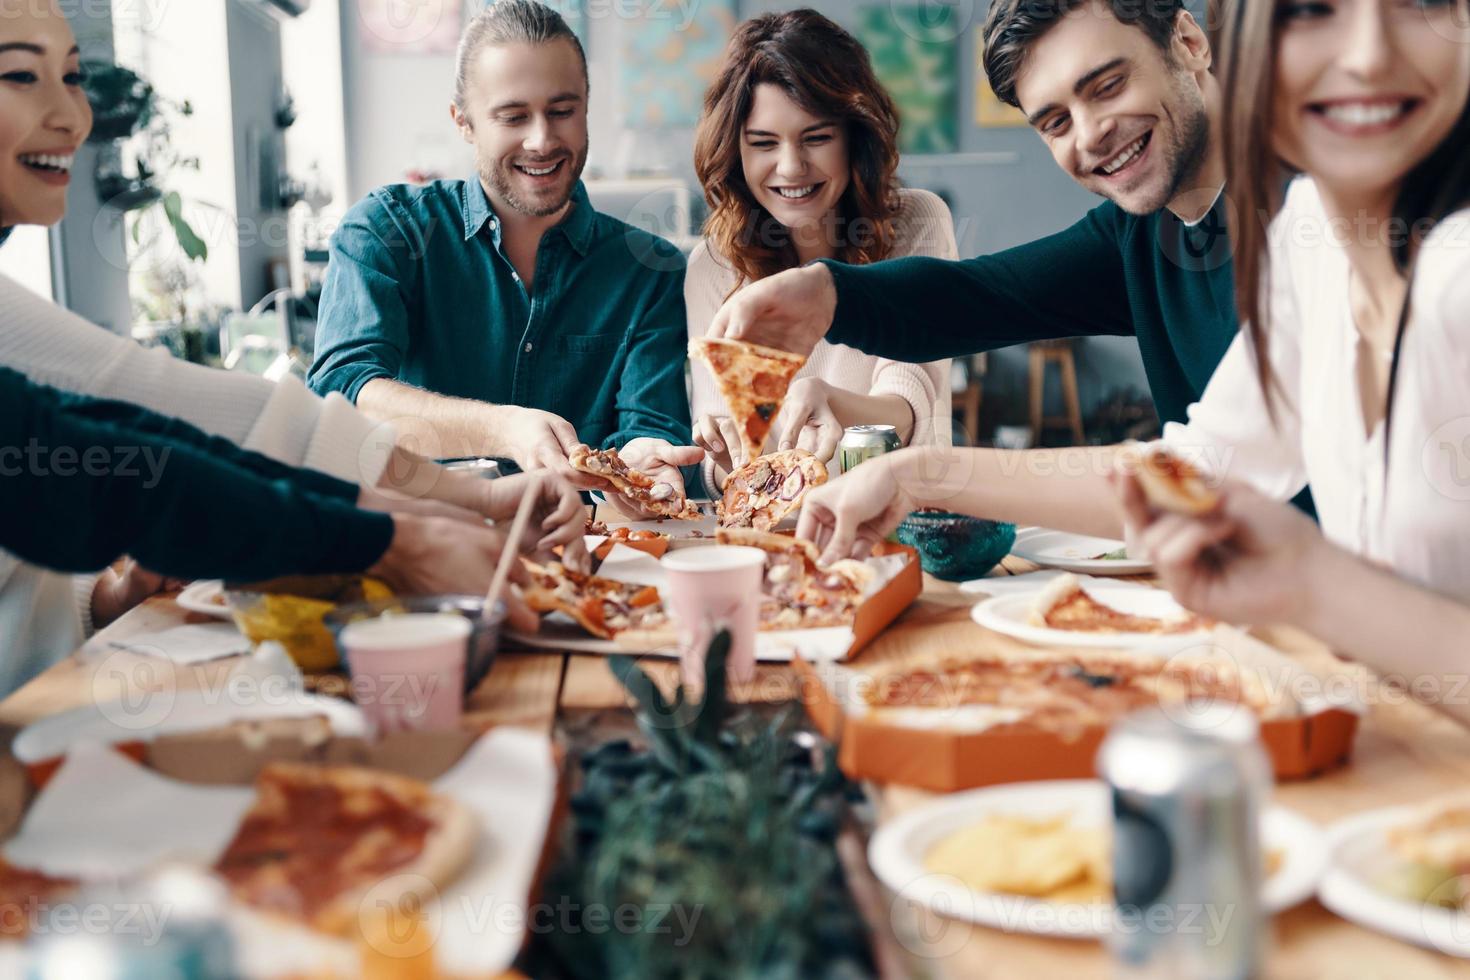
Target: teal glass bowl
(956, 547)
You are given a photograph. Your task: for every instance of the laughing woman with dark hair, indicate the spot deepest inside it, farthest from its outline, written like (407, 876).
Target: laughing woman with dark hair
(1354, 372)
(798, 154)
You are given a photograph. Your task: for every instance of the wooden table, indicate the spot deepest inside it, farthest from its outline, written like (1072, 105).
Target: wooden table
(1405, 753)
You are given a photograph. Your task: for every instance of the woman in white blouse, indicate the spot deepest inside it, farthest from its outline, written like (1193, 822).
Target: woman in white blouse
(797, 151)
(1356, 377)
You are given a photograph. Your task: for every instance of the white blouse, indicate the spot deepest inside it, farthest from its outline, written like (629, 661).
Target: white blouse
(1415, 517)
(923, 226)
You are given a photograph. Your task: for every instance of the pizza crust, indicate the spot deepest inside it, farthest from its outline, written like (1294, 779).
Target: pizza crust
(555, 588)
(1064, 605)
(1170, 483)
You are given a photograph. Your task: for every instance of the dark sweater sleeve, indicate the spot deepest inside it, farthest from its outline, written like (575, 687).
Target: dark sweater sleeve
(1070, 284)
(139, 419)
(78, 490)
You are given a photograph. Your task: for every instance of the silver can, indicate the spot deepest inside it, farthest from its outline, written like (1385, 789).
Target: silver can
(1188, 785)
(861, 443)
(482, 466)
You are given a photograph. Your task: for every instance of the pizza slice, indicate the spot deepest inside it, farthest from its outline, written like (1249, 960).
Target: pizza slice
(764, 491)
(1435, 848)
(603, 607)
(656, 498)
(319, 839)
(1170, 483)
(1065, 605)
(753, 381)
(799, 591)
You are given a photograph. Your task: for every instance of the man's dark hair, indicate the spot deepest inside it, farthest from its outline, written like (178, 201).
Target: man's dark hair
(1013, 26)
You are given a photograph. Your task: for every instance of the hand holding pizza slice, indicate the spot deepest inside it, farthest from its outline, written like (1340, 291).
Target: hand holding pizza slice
(753, 380)
(661, 499)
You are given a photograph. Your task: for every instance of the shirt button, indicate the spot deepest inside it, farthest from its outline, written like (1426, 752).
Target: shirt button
(528, 348)
(516, 276)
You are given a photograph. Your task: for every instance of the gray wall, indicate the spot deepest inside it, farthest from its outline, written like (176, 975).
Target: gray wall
(396, 110)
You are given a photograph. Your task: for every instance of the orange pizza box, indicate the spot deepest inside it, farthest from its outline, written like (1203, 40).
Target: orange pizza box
(889, 602)
(932, 750)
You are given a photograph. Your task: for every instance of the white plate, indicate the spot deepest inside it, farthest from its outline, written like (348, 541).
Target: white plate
(174, 713)
(197, 599)
(1075, 553)
(897, 855)
(1358, 853)
(1009, 614)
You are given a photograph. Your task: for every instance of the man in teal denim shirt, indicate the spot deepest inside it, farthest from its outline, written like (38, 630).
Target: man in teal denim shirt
(502, 313)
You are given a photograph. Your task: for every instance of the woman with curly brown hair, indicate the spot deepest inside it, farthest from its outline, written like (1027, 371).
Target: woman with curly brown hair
(797, 150)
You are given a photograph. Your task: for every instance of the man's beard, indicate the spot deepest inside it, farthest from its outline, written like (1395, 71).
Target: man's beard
(1188, 146)
(497, 175)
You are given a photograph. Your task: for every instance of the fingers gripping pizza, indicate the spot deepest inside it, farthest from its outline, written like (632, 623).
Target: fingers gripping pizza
(656, 498)
(764, 491)
(1171, 483)
(753, 381)
(319, 839)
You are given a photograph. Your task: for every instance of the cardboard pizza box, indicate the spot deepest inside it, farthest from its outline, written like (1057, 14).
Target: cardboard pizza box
(944, 757)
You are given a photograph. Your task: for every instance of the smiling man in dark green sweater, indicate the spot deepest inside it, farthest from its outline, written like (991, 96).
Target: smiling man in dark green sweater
(1123, 96)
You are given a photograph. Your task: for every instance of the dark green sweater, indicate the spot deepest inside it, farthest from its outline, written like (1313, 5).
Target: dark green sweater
(83, 480)
(1169, 285)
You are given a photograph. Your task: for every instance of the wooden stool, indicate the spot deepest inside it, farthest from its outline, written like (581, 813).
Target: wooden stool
(1058, 352)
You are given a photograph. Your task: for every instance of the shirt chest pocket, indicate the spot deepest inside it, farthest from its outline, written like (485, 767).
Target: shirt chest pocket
(592, 343)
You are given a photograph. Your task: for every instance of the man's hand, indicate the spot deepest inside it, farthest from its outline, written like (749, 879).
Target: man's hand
(849, 516)
(660, 461)
(807, 419)
(791, 310)
(558, 516)
(718, 437)
(539, 440)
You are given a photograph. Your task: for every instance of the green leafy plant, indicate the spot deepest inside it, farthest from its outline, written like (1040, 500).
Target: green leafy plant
(127, 109)
(720, 832)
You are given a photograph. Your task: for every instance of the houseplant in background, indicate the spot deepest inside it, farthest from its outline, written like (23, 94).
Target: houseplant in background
(133, 130)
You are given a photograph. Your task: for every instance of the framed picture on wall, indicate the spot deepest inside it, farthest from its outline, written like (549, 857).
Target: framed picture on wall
(915, 52)
(669, 57)
(410, 27)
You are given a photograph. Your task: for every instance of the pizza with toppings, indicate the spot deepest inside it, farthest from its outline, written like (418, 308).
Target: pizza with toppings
(601, 606)
(753, 381)
(1057, 691)
(1434, 847)
(662, 499)
(1065, 605)
(318, 839)
(799, 592)
(1170, 483)
(765, 491)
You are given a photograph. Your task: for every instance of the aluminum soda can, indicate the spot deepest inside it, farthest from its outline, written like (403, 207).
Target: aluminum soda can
(1188, 786)
(861, 443)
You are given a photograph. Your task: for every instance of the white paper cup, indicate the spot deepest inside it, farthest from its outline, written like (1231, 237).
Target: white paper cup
(710, 589)
(408, 671)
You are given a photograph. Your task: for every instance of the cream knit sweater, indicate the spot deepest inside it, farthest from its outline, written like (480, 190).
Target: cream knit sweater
(45, 615)
(923, 226)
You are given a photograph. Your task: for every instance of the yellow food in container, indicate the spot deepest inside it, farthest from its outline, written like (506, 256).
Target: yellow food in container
(290, 611)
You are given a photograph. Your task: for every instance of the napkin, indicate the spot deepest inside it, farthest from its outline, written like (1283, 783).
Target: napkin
(103, 816)
(191, 644)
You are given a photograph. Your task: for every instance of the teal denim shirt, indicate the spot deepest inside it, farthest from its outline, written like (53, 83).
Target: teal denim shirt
(419, 291)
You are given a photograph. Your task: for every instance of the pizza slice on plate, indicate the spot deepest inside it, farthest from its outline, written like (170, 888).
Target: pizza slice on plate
(753, 381)
(764, 491)
(656, 498)
(603, 607)
(799, 592)
(1065, 605)
(319, 839)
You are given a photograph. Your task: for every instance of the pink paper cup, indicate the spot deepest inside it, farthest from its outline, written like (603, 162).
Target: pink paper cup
(710, 589)
(408, 670)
